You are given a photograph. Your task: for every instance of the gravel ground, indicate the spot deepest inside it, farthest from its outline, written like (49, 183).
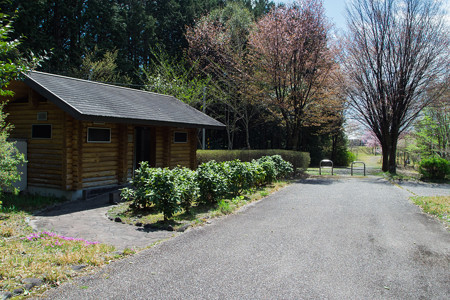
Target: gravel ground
(315, 239)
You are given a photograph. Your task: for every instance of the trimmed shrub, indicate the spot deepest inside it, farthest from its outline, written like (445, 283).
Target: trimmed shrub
(434, 168)
(344, 158)
(299, 160)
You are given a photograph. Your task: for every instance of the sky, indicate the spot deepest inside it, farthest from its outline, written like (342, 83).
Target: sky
(334, 9)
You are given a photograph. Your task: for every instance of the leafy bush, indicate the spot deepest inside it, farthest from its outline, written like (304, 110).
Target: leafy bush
(434, 168)
(282, 167)
(343, 157)
(269, 168)
(299, 160)
(212, 182)
(187, 186)
(169, 191)
(240, 176)
(10, 157)
(158, 188)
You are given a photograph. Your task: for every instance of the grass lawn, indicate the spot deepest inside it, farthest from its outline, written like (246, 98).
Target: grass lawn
(197, 214)
(45, 256)
(365, 154)
(438, 206)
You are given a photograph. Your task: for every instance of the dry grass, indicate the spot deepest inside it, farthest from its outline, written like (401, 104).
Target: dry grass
(46, 256)
(435, 205)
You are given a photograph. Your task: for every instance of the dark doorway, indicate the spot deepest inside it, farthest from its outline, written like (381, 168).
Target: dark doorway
(145, 146)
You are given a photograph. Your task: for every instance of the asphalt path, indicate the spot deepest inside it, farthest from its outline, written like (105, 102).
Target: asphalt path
(315, 239)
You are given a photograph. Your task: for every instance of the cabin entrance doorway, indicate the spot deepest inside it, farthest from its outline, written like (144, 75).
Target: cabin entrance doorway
(145, 146)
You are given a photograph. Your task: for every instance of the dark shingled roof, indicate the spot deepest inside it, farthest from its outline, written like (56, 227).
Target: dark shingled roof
(94, 101)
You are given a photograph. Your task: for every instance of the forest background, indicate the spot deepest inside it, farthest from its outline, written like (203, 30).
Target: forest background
(214, 55)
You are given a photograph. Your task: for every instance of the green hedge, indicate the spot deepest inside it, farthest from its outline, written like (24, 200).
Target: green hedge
(434, 168)
(299, 160)
(171, 190)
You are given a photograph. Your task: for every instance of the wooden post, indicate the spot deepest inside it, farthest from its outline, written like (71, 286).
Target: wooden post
(193, 148)
(167, 138)
(123, 149)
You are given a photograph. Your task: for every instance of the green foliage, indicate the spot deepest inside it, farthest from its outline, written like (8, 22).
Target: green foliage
(344, 158)
(269, 168)
(170, 191)
(224, 206)
(10, 158)
(283, 168)
(433, 131)
(173, 77)
(101, 69)
(187, 186)
(434, 168)
(299, 160)
(11, 66)
(212, 181)
(159, 188)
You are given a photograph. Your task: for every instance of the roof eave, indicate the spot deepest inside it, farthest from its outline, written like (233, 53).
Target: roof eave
(108, 119)
(83, 117)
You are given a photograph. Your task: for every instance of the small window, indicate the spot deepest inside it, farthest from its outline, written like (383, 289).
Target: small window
(99, 135)
(41, 131)
(180, 137)
(42, 116)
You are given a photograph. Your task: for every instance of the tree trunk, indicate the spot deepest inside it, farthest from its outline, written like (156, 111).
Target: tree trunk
(247, 135)
(294, 138)
(393, 155)
(334, 140)
(385, 152)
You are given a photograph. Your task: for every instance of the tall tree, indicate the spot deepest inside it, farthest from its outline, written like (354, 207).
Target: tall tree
(290, 48)
(395, 51)
(73, 28)
(12, 65)
(218, 45)
(101, 69)
(175, 77)
(432, 130)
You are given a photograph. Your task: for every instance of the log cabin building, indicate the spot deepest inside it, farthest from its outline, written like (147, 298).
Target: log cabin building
(82, 136)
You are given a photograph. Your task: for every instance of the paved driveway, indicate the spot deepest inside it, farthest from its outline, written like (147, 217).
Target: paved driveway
(316, 239)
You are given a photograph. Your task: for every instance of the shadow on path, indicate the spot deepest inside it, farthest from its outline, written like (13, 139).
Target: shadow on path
(75, 206)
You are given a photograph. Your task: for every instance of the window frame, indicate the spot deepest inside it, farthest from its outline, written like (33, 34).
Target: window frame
(98, 142)
(42, 138)
(183, 142)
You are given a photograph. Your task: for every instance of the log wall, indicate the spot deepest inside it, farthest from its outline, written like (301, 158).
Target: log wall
(45, 156)
(68, 162)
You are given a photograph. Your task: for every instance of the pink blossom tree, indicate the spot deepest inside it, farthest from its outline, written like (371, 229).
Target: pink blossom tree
(290, 51)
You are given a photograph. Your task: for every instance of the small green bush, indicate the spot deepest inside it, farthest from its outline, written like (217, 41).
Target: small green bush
(343, 157)
(187, 186)
(239, 175)
(160, 189)
(212, 182)
(269, 168)
(282, 167)
(434, 168)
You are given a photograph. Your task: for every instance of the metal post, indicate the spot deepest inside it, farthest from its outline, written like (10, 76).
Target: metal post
(203, 130)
